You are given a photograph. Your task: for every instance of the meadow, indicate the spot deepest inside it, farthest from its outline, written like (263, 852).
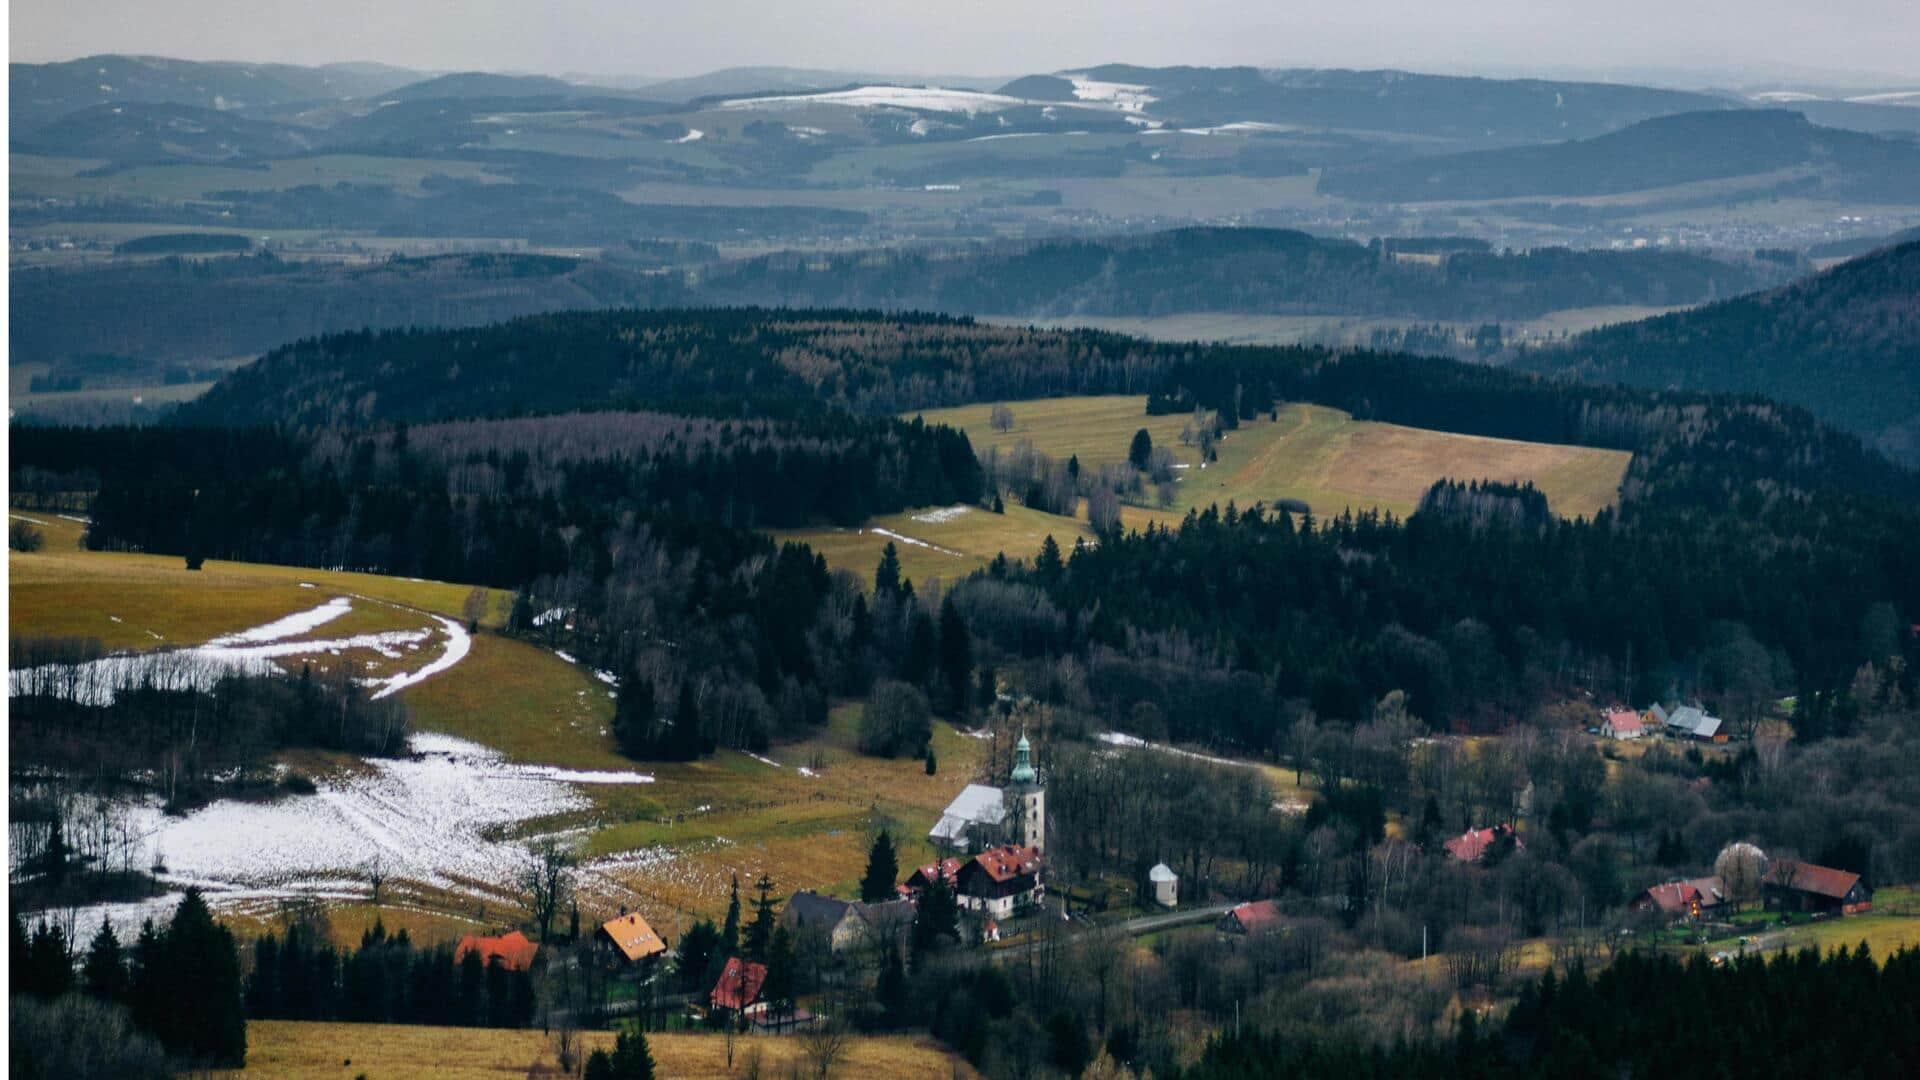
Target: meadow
(294, 1050)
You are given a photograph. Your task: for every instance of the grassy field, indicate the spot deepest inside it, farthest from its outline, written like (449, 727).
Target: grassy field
(1236, 328)
(145, 601)
(951, 545)
(1313, 453)
(172, 183)
(293, 1050)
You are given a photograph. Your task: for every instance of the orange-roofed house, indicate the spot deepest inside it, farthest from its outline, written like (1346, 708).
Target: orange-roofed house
(922, 877)
(1253, 917)
(632, 938)
(1001, 880)
(514, 950)
(738, 989)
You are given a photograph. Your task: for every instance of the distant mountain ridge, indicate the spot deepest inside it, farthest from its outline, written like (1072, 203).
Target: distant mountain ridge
(45, 92)
(1844, 343)
(1657, 153)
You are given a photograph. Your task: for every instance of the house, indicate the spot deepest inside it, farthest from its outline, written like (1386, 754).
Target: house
(1253, 917)
(632, 938)
(1000, 881)
(1622, 724)
(1790, 885)
(1692, 722)
(948, 868)
(1471, 846)
(847, 924)
(1694, 898)
(1165, 883)
(974, 816)
(1655, 717)
(738, 988)
(513, 949)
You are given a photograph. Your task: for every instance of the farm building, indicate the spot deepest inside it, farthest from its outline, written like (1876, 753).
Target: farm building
(1000, 881)
(1471, 846)
(514, 950)
(1166, 885)
(1695, 898)
(1790, 885)
(847, 924)
(1253, 917)
(1693, 722)
(632, 938)
(1622, 724)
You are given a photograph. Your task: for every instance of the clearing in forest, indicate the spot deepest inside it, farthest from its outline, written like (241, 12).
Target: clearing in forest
(1319, 455)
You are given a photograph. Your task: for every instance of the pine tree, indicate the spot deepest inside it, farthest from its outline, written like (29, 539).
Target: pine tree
(956, 656)
(521, 618)
(998, 506)
(923, 649)
(633, 718)
(890, 990)
(49, 970)
(933, 763)
(886, 577)
(599, 1066)
(632, 1058)
(1140, 454)
(1047, 565)
(730, 932)
(779, 987)
(936, 919)
(104, 975)
(204, 1008)
(883, 867)
(760, 931)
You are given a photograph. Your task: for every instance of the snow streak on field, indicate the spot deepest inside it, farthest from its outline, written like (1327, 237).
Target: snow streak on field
(248, 652)
(944, 514)
(932, 99)
(905, 539)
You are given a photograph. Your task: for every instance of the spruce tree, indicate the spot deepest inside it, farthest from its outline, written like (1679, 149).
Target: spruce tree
(730, 931)
(1047, 565)
(104, 975)
(632, 1058)
(890, 991)
(936, 919)
(778, 990)
(883, 867)
(933, 763)
(1140, 454)
(204, 1008)
(956, 657)
(633, 718)
(886, 576)
(599, 1066)
(760, 931)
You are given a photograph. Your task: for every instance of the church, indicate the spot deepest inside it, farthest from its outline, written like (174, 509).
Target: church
(983, 815)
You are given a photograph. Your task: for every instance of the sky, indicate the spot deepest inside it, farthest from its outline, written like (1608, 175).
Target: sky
(1867, 41)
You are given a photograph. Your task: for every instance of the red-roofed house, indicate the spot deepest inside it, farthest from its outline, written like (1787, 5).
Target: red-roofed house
(515, 951)
(1790, 885)
(948, 868)
(1623, 724)
(1471, 846)
(738, 989)
(1696, 898)
(1001, 880)
(1253, 917)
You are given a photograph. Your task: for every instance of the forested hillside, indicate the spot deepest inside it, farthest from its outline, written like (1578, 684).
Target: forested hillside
(1765, 540)
(182, 310)
(1845, 344)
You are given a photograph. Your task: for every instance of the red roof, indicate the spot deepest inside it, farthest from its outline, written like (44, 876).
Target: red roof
(1009, 861)
(1255, 915)
(1623, 720)
(1472, 844)
(1808, 878)
(1677, 897)
(948, 868)
(514, 949)
(739, 985)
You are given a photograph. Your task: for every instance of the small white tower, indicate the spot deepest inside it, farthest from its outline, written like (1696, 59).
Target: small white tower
(1029, 797)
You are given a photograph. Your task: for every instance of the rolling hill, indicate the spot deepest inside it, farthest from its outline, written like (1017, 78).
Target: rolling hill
(1657, 153)
(1845, 344)
(44, 92)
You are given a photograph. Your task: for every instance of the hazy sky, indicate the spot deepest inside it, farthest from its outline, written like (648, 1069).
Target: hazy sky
(1817, 38)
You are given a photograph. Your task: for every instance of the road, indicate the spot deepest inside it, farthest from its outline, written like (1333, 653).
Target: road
(1134, 927)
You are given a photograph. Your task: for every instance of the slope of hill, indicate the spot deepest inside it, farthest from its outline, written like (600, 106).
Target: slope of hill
(133, 133)
(481, 84)
(1271, 271)
(42, 92)
(1655, 153)
(1845, 343)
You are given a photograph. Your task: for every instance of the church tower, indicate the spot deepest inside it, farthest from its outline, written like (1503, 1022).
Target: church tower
(1029, 797)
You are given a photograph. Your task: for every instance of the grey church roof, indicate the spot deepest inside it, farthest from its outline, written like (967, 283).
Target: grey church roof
(979, 804)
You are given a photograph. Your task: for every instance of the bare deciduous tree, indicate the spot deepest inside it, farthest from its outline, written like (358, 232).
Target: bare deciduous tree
(547, 882)
(824, 1042)
(1001, 417)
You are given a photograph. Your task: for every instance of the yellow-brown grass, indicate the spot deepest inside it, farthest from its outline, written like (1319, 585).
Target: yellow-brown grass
(961, 544)
(294, 1050)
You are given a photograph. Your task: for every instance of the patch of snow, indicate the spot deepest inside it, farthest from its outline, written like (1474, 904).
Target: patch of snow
(459, 643)
(763, 760)
(808, 773)
(920, 126)
(1120, 738)
(1893, 97)
(944, 514)
(692, 135)
(25, 518)
(930, 98)
(71, 517)
(1127, 97)
(607, 677)
(300, 622)
(567, 656)
(891, 535)
(550, 615)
